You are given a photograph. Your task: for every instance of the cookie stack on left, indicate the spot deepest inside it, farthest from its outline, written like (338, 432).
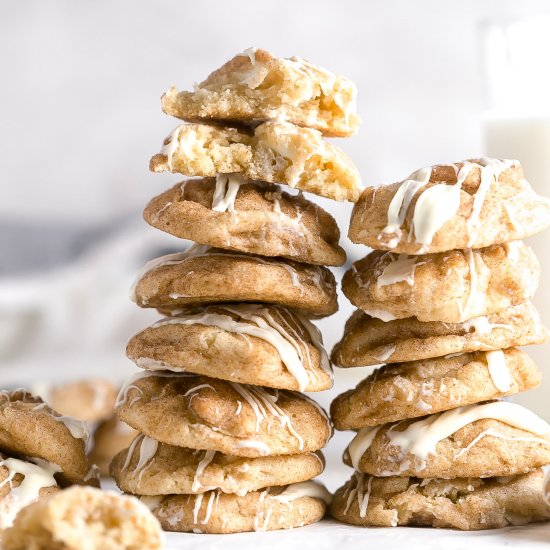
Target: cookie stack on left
(228, 442)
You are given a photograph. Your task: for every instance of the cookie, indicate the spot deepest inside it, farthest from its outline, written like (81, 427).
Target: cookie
(102, 519)
(203, 275)
(90, 399)
(260, 220)
(469, 204)
(246, 343)
(276, 152)
(29, 427)
(148, 467)
(110, 437)
(450, 286)
(467, 504)
(23, 482)
(267, 510)
(409, 390)
(370, 341)
(488, 440)
(256, 86)
(204, 413)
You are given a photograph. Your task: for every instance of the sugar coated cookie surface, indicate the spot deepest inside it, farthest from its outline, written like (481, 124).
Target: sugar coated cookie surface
(485, 440)
(256, 86)
(103, 519)
(148, 467)
(276, 152)
(235, 419)
(252, 217)
(450, 286)
(29, 427)
(409, 390)
(371, 341)
(246, 343)
(203, 275)
(469, 204)
(468, 504)
(267, 510)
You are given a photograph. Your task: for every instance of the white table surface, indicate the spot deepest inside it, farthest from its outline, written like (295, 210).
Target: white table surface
(329, 534)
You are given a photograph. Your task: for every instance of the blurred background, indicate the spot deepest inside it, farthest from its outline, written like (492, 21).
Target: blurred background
(439, 81)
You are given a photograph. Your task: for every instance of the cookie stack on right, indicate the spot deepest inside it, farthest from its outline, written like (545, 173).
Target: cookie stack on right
(228, 441)
(445, 300)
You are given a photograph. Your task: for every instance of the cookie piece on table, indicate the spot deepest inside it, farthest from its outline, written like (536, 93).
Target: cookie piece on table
(254, 344)
(485, 440)
(29, 427)
(252, 217)
(23, 482)
(371, 341)
(205, 413)
(101, 518)
(275, 152)
(410, 390)
(110, 437)
(468, 504)
(148, 467)
(469, 204)
(256, 86)
(450, 287)
(203, 275)
(271, 509)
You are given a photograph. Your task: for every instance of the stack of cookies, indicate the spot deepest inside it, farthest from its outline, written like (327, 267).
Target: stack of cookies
(444, 299)
(227, 442)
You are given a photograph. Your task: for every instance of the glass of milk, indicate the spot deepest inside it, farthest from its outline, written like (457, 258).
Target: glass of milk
(516, 125)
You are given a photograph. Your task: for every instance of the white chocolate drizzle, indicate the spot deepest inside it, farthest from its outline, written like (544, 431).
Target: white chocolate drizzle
(312, 489)
(171, 145)
(363, 496)
(203, 464)
(151, 501)
(225, 193)
(269, 325)
(498, 369)
(76, 427)
(495, 433)
(401, 201)
(385, 353)
(360, 443)
(422, 436)
(381, 314)
(250, 53)
(147, 450)
(261, 447)
(265, 405)
(401, 269)
(490, 171)
(35, 477)
(437, 204)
